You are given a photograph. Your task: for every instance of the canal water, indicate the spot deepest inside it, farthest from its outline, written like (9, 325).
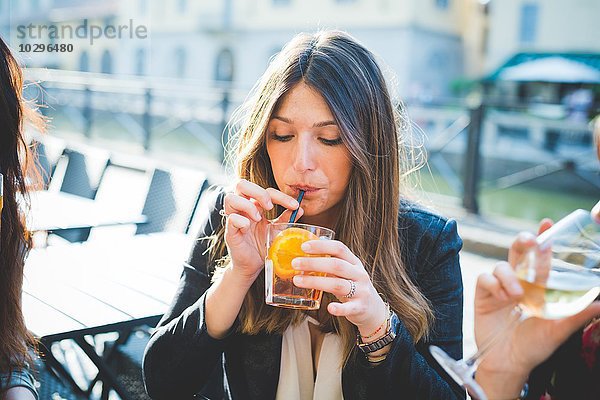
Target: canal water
(527, 201)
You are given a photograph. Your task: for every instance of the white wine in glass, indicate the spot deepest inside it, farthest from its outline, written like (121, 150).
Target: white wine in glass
(560, 278)
(565, 293)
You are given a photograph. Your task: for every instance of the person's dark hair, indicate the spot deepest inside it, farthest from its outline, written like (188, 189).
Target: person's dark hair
(377, 137)
(16, 163)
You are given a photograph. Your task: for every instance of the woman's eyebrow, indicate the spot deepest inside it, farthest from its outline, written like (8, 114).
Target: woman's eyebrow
(324, 123)
(283, 119)
(315, 125)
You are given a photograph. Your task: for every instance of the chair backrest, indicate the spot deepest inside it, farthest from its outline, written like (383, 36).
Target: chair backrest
(203, 210)
(123, 187)
(82, 174)
(84, 171)
(171, 200)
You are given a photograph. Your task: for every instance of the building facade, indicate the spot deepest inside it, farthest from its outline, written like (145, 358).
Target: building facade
(541, 26)
(421, 41)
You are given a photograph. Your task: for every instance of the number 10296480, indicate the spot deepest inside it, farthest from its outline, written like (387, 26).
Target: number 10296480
(45, 48)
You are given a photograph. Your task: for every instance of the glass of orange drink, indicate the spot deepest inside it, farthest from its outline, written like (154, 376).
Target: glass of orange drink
(283, 245)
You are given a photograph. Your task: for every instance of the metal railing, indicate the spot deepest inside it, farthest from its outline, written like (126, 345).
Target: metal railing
(469, 132)
(144, 107)
(482, 130)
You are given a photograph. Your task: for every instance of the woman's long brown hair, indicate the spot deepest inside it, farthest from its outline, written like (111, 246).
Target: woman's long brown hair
(16, 163)
(348, 77)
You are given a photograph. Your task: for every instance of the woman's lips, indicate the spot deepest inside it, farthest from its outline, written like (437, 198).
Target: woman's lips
(308, 191)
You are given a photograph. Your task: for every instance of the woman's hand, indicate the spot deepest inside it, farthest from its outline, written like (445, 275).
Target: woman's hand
(364, 308)
(246, 227)
(505, 368)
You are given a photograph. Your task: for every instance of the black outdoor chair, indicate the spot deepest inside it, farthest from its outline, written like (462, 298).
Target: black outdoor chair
(125, 187)
(172, 198)
(82, 175)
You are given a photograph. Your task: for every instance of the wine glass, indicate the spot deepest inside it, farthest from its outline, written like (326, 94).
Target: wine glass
(556, 284)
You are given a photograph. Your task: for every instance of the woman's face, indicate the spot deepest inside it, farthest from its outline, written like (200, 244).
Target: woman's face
(306, 152)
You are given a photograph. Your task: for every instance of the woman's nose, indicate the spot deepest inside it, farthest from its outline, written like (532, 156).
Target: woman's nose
(304, 154)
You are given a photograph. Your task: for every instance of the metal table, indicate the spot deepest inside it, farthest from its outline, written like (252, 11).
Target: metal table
(77, 290)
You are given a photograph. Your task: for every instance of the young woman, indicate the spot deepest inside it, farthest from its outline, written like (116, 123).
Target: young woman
(321, 120)
(556, 358)
(16, 161)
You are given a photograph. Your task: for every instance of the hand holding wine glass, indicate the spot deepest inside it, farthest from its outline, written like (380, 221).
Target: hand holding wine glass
(527, 308)
(505, 368)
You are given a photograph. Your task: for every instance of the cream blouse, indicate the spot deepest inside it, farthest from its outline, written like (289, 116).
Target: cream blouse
(296, 379)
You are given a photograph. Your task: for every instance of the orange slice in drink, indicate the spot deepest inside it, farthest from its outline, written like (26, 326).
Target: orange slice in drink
(285, 247)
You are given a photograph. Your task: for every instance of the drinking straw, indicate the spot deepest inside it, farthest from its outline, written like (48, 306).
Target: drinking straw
(299, 199)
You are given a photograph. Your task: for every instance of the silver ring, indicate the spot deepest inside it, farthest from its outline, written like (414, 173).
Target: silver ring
(352, 289)
(222, 213)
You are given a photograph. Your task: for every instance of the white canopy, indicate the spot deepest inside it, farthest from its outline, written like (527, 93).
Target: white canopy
(551, 69)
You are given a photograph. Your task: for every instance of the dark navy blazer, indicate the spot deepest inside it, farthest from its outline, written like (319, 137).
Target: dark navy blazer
(182, 360)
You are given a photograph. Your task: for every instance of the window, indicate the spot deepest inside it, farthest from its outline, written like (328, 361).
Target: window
(279, 3)
(180, 61)
(443, 4)
(224, 66)
(182, 6)
(143, 7)
(528, 27)
(84, 62)
(345, 1)
(140, 62)
(106, 62)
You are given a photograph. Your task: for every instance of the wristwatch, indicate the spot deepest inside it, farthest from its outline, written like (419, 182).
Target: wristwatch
(380, 343)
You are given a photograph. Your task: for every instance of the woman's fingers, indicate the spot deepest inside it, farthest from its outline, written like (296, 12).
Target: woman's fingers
(337, 286)
(592, 311)
(250, 200)
(237, 223)
(545, 224)
(503, 286)
(347, 309)
(333, 248)
(508, 280)
(489, 285)
(251, 190)
(524, 242)
(329, 265)
(566, 326)
(282, 199)
(234, 204)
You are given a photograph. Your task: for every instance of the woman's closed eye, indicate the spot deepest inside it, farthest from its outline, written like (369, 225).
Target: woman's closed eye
(280, 138)
(286, 138)
(331, 142)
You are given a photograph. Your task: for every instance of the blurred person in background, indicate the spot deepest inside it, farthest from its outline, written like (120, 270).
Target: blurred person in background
(557, 359)
(321, 119)
(17, 167)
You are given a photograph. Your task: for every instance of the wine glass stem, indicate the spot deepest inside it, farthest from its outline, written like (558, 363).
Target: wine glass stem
(515, 317)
